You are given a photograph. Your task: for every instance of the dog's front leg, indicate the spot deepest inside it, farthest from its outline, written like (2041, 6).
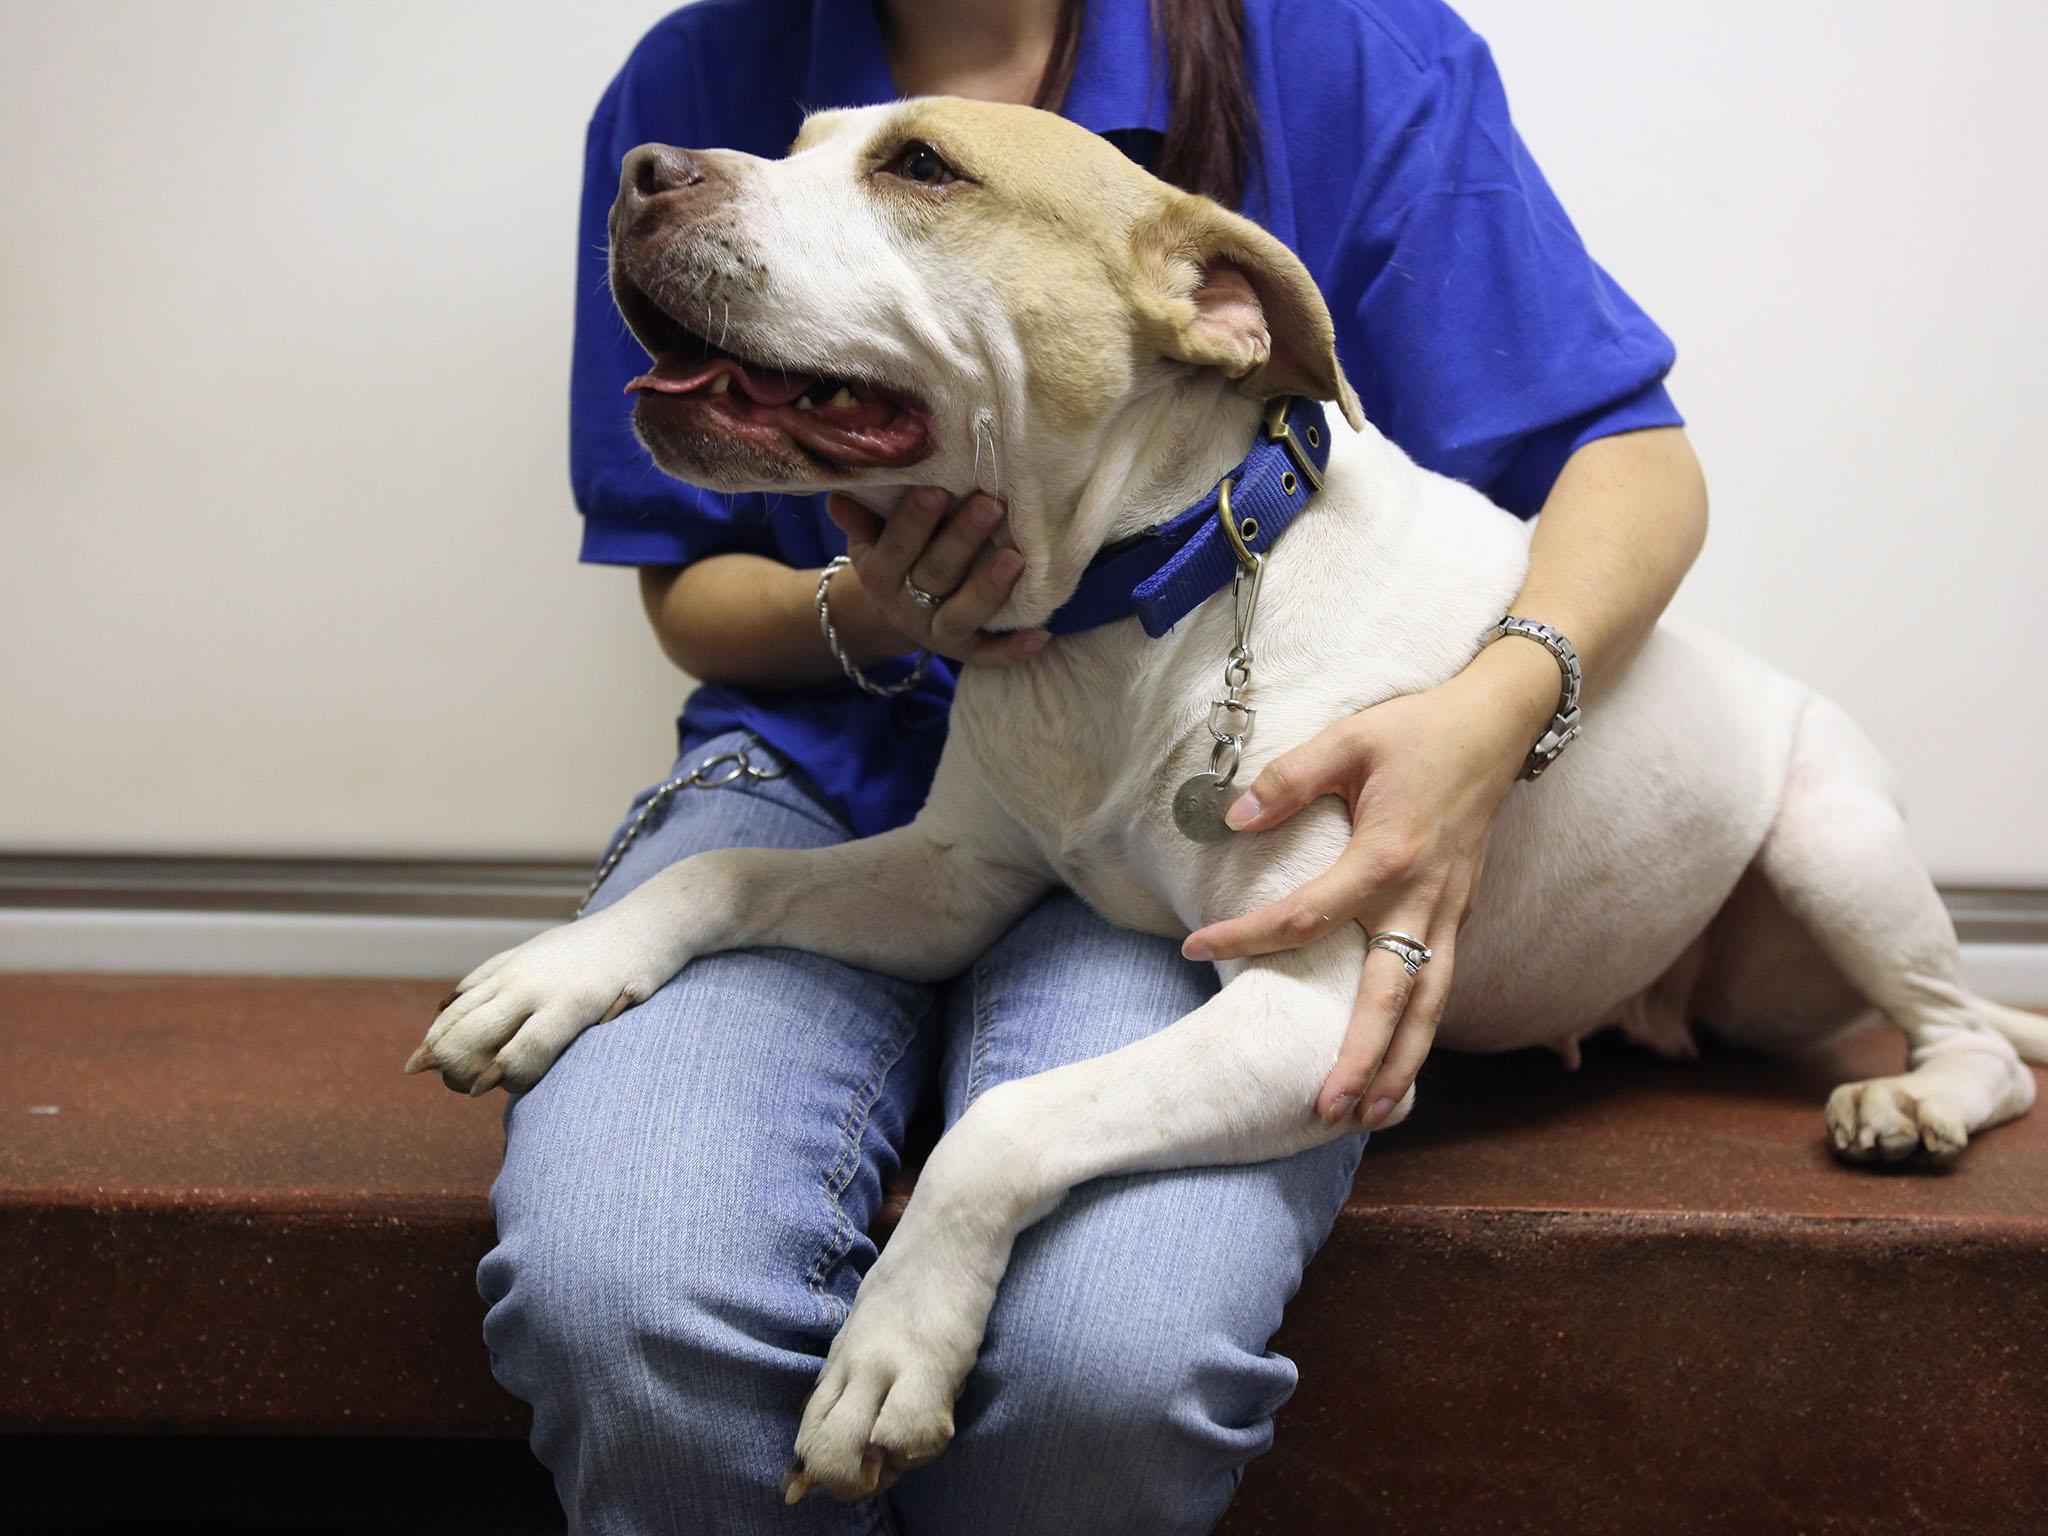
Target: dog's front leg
(919, 902)
(1233, 1082)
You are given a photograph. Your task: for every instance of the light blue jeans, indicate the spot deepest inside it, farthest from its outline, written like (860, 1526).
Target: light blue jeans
(684, 1210)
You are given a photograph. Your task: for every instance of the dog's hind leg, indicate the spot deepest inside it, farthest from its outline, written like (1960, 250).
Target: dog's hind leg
(1233, 1082)
(1838, 858)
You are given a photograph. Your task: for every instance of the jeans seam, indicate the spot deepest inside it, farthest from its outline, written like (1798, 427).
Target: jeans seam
(984, 1028)
(852, 1133)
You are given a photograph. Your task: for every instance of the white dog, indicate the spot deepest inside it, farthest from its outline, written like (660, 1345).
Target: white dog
(989, 296)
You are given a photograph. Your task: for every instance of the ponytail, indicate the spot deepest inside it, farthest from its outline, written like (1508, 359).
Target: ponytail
(1211, 124)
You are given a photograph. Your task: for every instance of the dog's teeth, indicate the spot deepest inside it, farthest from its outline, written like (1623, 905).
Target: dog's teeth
(803, 403)
(844, 397)
(720, 385)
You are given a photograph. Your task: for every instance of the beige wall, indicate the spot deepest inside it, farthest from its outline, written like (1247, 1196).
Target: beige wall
(287, 559)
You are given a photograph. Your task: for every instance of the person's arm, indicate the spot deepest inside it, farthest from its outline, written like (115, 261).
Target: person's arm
(749, 621)
(1621, 527)
(1425, 773)
(1502, 355)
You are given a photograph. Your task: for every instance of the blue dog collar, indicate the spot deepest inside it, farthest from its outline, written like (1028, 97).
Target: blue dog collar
(1166, 572)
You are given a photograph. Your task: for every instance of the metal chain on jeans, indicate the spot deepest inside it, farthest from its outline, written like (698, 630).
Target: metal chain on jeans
(714, 772)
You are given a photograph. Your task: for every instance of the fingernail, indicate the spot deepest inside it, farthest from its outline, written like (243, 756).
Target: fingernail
(1340, 1108)
(929, 500)
(1244, 810)
(1005, 567)
(1381, 1108)
(983, 514)
(1195, 949)
(1034, 642)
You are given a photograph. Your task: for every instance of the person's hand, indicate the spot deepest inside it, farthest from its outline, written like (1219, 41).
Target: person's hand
(1423, 775)
(950, 558)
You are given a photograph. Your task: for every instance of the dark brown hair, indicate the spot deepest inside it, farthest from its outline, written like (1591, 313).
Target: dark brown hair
(1212, 128)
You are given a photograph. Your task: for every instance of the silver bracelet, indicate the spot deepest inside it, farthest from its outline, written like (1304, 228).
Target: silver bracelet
(837, 564)
(1565, 724)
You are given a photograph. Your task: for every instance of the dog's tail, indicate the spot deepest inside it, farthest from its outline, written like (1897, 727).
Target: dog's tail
(2028, 1032)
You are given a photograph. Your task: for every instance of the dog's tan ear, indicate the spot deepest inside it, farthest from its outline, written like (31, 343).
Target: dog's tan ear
(1220, 292)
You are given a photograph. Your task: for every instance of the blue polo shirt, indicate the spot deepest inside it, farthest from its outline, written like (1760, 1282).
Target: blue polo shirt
(1479, 333)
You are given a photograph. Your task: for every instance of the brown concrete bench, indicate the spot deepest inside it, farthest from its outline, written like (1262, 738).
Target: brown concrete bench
(1640, 1297)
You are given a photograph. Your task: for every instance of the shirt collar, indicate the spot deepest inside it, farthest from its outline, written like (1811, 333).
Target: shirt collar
(1120, 73)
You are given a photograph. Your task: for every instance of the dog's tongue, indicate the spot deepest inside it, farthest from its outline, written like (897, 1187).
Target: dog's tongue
(678, 373)
(774, 388)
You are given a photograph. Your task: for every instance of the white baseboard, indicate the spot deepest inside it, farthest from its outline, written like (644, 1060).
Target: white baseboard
(443, 948)
(252, 943)
(2008, 973)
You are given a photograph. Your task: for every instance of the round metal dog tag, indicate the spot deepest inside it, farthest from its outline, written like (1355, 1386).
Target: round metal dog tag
(1198, 808)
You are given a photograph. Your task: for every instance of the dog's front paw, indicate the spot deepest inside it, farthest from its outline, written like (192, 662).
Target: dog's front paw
(884, 1402)
(1888, 1119)
(509, 1019)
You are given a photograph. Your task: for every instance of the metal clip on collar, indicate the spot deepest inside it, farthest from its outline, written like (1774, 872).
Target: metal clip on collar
(1230, 718)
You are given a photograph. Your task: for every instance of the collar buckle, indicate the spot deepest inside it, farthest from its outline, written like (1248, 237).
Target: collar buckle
(1281, 431)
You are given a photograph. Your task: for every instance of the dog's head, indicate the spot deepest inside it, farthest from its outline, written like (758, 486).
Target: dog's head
(941, 292)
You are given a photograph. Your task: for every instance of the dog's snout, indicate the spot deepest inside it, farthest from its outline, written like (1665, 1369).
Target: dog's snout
(654, 169)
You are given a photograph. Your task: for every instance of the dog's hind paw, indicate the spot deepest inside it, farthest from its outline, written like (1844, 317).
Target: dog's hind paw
(1888, 1119)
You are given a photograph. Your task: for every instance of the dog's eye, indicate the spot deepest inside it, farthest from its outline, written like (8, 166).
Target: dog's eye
(919, 162)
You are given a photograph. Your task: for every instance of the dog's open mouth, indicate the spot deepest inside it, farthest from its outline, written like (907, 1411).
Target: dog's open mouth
(848, 423)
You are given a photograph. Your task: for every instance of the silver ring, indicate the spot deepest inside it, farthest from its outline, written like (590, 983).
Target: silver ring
(1411, 951)
(919, 596)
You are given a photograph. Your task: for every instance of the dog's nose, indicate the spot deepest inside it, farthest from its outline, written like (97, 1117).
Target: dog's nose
(653, 169)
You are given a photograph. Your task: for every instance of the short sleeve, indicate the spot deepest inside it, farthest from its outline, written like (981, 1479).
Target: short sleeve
(633, 514)
(1482, 336)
